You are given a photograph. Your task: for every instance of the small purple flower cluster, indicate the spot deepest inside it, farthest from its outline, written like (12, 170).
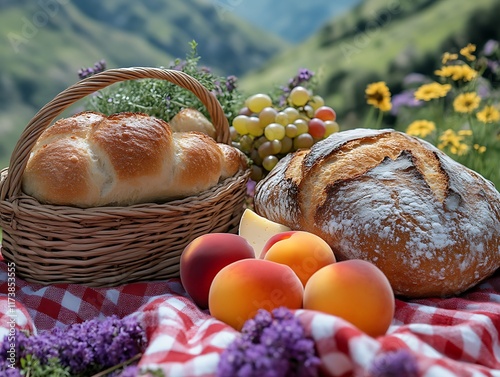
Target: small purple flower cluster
(271, 345)
(229, 84)
(231, 81)
(178, 65)
(492, 51)
(404, 99)
(223, 86)
(88, 347)
(304, 76)
(394, 364)
(130, 371)
(7, 371)
(99, 66)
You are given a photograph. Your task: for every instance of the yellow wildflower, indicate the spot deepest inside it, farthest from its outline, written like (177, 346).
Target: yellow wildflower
(480, 148)
(448, 57)
(460, 149)
(488, 114)
(466, 102)
(433, 90)
(385, 105)
(378, 95)
(454, 141)
(467, 52)
(421, 128)
(450, 138)
(445, 71)
(468, 73)
(465, 132)
(457, 72)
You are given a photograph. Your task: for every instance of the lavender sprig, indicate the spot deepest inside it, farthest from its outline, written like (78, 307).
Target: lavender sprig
(304, 77)
(80, 350)
(271, 345)
(395, 363)
(99, 66)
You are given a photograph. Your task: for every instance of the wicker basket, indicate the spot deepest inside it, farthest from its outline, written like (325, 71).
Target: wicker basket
(109, 246)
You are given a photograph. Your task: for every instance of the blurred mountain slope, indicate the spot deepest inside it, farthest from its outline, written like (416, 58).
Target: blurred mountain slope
(292, 20)
(44, 43)
(379, 40)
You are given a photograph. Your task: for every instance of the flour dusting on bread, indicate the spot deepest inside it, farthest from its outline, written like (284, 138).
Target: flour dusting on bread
(431, 224)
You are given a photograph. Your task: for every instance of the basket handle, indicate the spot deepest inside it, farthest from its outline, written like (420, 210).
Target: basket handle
(19, 159)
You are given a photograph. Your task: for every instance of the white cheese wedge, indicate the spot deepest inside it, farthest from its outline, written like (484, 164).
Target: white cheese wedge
(257, 230)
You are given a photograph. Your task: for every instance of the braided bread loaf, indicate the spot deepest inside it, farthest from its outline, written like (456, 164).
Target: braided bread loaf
(90, 160)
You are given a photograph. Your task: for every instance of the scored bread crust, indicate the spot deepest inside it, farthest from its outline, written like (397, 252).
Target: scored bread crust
(90, 160)
(430, 224)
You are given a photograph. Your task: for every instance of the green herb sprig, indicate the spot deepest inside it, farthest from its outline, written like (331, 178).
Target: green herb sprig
(163, 99)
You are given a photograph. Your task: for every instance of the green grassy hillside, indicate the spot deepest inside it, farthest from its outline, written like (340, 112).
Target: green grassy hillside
(376, 42)
(42, 47)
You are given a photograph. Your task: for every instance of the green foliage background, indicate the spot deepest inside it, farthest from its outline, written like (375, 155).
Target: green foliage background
(44, 43)
(376, 40)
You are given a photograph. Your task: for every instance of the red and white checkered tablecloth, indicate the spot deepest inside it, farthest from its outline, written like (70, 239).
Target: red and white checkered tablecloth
(449, 337)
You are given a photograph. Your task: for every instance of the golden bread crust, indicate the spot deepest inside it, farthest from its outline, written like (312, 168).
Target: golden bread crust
(201, 161)
(233, 160)
(135, 144)
(192, 120)
(64, 163)
(91, 160)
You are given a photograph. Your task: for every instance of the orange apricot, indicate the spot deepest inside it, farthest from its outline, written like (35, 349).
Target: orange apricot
(354, 290)
(240, 289)
(304, 252)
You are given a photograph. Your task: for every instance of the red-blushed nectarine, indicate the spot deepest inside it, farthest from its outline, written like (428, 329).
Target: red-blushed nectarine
(354, 290)
(240, 289)
(304, 252)
(204, 257)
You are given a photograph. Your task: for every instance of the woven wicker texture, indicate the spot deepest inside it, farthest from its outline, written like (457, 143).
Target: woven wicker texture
(109, 246)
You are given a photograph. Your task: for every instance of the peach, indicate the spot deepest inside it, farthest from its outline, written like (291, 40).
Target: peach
(240, 289)
(354, 290)
(204, 257)
(304, 252)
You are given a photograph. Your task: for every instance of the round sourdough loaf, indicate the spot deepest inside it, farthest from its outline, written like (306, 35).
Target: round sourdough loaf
(90, 160)
(429, 223)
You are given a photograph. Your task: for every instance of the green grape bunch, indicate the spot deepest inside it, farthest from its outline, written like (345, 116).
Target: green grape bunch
(266, 131)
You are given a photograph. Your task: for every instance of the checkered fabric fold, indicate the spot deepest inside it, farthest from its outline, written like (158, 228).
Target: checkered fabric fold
(456, 336)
